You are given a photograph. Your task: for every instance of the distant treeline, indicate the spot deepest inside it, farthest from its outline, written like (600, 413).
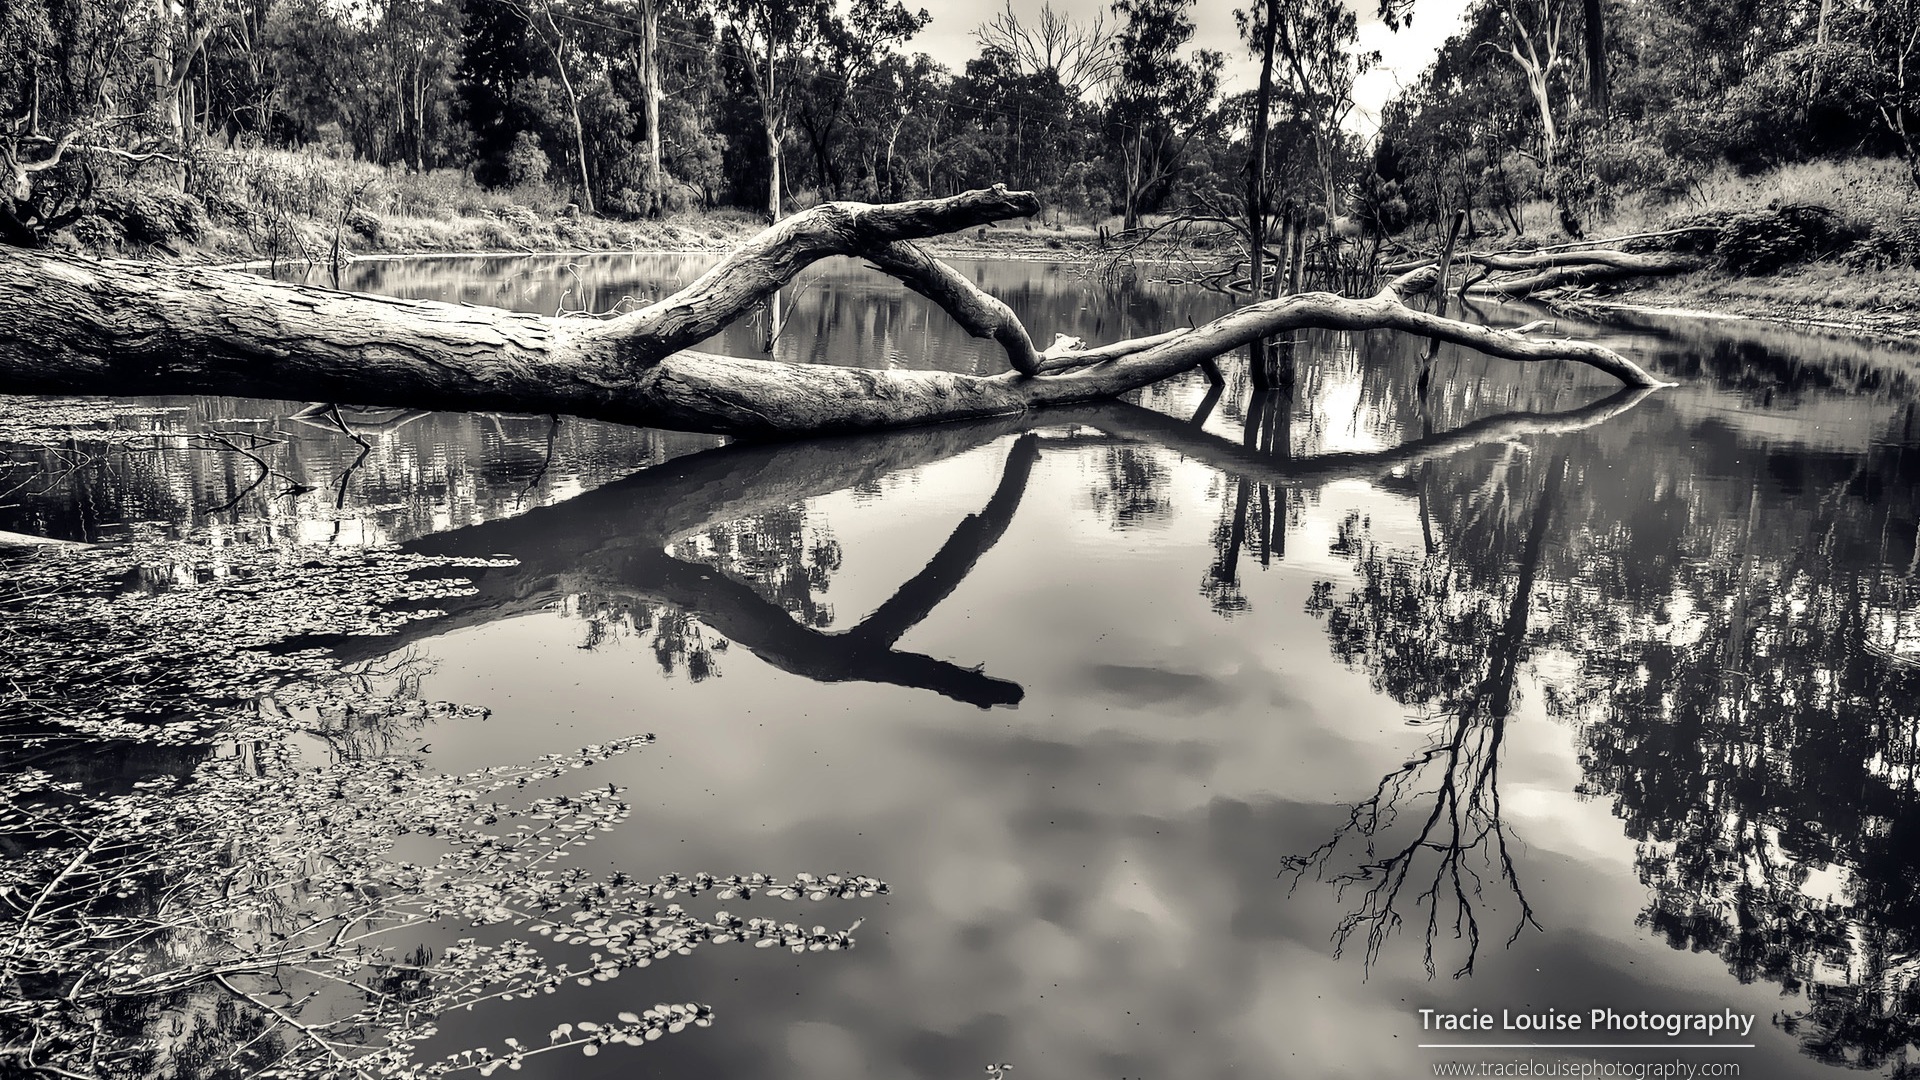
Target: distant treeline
(644, 107)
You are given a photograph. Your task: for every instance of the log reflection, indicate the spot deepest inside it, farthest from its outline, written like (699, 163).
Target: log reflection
(612, 544)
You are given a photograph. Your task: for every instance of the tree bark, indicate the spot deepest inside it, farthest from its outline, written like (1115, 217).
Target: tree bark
(1599, 95)
(77, 325)
(650, 44)
(1257, 159)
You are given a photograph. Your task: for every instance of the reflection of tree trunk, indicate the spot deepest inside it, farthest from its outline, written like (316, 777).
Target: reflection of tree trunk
(1460, 773)
(1503, 658)
(610, 543)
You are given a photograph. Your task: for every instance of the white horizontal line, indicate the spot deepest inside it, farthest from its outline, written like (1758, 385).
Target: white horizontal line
(1584, 1046)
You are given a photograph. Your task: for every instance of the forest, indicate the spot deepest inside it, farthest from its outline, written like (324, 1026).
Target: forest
(127, 121)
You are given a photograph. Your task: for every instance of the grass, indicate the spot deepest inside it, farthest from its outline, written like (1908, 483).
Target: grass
(1866, 191)
(285, 206)
(1872, 199)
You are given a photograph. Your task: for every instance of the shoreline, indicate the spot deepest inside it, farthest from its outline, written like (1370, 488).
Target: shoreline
(1655, 298)
(1651, 299)
(1011, 247)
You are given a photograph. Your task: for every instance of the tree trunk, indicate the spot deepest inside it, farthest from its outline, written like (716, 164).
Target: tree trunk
(557, 48)
(768, 107)
(1257, 156)
(75, 325)
(579, 139)
(656, 179)
(1595, 19)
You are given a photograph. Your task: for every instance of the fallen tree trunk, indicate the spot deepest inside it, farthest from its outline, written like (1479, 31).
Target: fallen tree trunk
(1551, 269)
(72, 325)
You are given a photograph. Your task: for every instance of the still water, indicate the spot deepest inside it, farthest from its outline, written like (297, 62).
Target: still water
(1206, 735)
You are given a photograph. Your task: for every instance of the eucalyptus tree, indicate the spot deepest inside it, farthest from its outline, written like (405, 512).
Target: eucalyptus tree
(1535, 33)
(1888, 33)
(1318, 45)
(853, 48)
(558, 38)
(77, 78)
(775, 38)
(1162, 101)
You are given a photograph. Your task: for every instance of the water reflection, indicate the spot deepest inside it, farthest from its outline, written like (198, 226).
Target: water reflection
(296, 473)
(1563, 688)
(838, 312)
(1736, 634)
(711, 542)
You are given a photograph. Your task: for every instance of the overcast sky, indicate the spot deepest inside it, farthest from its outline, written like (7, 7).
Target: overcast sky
(949, 39)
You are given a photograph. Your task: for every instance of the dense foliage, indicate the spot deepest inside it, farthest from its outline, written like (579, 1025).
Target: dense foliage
(629, 106)
(1664, 94)
(134, 123)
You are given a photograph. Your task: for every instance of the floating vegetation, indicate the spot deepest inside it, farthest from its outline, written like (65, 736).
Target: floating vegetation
(231, 907)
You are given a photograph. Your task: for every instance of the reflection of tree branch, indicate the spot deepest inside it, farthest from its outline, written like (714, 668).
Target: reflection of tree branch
(611, 540)
(546, 459)
(1134, 422)
(866, 652)
(1464, 817)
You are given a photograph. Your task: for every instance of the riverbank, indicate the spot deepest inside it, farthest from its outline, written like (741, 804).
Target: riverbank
(264, 209)
(511, 229)
(1822, 296)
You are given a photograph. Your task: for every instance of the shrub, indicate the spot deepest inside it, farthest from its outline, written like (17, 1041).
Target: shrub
(1703, 235)
(518, 217)
(152, 215)
(98, 233)
(527, 163)
(676, 199)
(1757, 242)
(1887, 247)
(367, 224)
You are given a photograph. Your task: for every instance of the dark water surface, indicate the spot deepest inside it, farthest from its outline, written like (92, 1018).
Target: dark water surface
(1209, 736)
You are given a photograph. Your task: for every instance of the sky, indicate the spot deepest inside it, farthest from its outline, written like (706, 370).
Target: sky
(949, 39)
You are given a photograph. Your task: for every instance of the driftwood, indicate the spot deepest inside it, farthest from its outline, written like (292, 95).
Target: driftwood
(1562, 265)
(77, 325)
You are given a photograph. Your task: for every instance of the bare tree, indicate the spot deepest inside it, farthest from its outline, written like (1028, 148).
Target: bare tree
(1081, 55)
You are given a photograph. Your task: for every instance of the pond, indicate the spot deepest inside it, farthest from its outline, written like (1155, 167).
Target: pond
(1210, 734)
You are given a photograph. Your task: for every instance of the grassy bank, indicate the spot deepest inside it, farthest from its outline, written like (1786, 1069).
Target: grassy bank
(269, 206)
(278, 206)
(1833, 243)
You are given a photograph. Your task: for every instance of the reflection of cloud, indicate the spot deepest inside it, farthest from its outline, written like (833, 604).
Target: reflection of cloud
(1154, 686)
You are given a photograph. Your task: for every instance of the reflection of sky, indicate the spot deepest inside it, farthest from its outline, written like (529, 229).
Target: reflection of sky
(1084, 886)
